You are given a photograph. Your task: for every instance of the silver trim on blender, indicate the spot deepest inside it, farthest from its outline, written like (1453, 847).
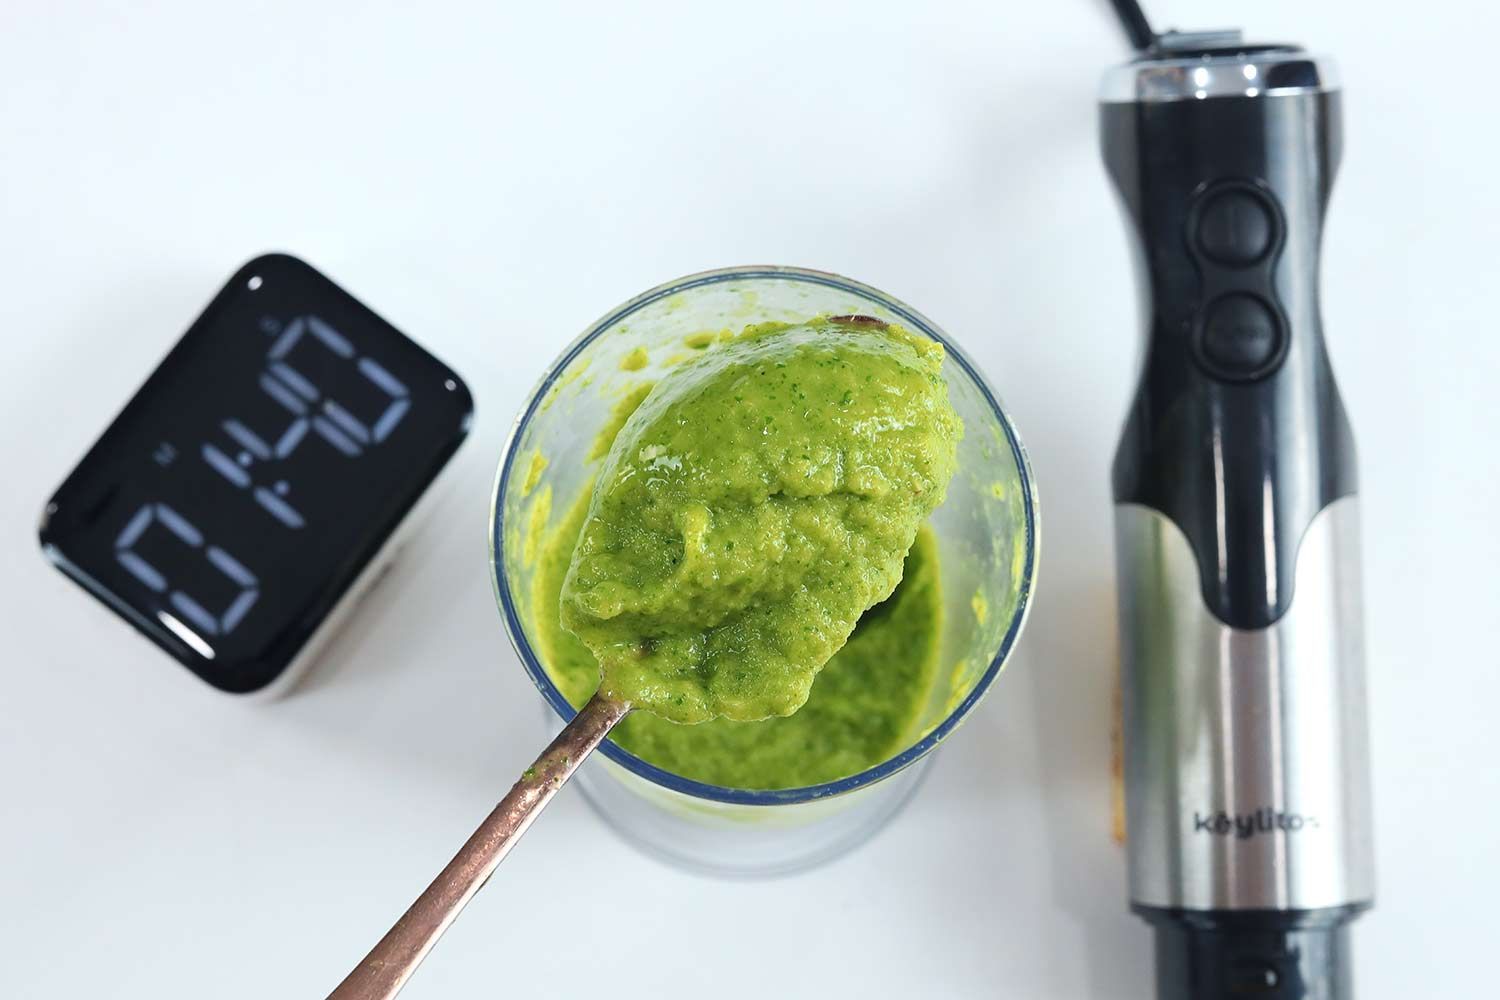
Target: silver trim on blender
(1266, 803)
(1267, 73)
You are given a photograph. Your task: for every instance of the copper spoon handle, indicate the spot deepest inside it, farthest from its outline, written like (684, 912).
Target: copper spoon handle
(391, 962)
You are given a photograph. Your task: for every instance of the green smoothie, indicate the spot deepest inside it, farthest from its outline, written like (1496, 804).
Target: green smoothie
(864, 707)
(752, 507)
(756, 520)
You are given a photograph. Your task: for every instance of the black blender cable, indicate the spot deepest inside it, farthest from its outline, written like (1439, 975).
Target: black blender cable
(1133, 20)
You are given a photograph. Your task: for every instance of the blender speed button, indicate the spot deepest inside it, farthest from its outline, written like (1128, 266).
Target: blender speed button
(1235, 227)
(1241, 337)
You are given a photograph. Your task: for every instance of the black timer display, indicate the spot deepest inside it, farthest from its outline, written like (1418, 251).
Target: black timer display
(263, 465)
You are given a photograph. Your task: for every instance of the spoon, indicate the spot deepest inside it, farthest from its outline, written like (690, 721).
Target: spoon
(391, 962)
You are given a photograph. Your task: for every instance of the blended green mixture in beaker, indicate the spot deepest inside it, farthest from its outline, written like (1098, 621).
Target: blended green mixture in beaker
(756, 527)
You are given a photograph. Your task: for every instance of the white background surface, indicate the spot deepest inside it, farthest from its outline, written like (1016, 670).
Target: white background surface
(493, 178)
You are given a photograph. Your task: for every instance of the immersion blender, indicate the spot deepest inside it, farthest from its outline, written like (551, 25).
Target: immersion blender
(1246, 760)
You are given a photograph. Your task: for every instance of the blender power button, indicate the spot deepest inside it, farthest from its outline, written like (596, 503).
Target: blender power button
(1241, 337)
(1235, 226)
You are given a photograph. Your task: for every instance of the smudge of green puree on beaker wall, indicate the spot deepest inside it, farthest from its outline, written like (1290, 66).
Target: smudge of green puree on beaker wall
(751, 508)
(868, 699)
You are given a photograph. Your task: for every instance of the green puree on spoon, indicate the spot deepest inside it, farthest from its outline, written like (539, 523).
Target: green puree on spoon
(754, 505)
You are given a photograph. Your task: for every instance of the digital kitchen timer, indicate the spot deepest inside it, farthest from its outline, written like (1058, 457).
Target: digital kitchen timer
(251, 489)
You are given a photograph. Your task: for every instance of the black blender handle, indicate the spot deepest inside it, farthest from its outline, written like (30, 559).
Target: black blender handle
(1236, 432)
(1245, 751)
